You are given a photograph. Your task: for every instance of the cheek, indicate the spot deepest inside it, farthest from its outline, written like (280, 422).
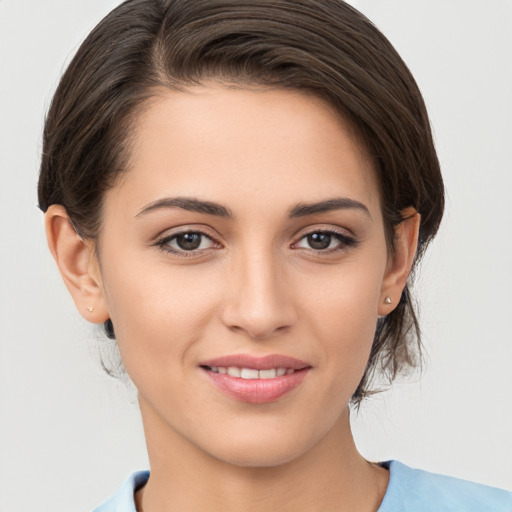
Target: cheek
(346, 299)
(343, 316)
(157, 313)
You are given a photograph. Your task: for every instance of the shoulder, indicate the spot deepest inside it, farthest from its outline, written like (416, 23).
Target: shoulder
(123, 500)
(420, 491)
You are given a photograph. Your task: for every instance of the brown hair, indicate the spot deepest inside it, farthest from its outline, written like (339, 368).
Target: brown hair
(324, 47)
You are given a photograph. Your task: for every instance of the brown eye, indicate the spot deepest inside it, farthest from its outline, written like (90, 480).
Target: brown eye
(319, 241)
(189, 241)
(325, 241)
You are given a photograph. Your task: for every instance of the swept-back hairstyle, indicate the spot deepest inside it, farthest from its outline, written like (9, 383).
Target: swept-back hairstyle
(323, 47)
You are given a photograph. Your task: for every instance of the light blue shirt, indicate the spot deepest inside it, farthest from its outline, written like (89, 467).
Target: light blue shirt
(409, 490)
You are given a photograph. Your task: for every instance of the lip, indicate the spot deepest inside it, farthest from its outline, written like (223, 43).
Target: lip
(257, 363)
(256, 391)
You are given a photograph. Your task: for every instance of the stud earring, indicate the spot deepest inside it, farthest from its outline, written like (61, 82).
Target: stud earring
(90, 309)
(388, 300)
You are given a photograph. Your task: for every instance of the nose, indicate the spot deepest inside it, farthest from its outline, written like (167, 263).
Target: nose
(259, 299)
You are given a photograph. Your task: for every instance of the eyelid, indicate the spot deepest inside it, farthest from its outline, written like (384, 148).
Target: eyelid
(346, 240)
(163, 239)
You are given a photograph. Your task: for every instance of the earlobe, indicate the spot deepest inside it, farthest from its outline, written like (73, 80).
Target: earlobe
(400, 262)
(77, 263)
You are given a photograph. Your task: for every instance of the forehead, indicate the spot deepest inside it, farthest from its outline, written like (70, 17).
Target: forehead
(228, 143)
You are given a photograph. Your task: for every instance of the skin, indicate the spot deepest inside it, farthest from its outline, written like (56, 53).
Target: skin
(255, 286)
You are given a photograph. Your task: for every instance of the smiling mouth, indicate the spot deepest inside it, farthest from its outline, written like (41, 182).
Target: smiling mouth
(251, 373)
(246, 387)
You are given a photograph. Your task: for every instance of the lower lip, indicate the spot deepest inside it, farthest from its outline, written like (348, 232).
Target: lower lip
(257, 391)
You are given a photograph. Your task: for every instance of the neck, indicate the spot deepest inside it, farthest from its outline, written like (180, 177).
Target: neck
(331, 476)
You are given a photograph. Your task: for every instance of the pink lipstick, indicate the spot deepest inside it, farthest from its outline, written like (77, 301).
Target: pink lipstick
(256, 380)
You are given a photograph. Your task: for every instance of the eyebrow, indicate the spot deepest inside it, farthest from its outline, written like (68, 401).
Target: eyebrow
(210, 208)
(336, 203)
(190, 204)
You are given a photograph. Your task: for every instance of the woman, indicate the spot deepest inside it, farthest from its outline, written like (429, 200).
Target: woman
(238, 191)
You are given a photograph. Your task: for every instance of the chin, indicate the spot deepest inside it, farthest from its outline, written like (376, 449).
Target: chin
(260, 457)
(264, 451)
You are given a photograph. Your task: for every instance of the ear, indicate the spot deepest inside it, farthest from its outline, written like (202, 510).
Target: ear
(78, 265)
(400, 261)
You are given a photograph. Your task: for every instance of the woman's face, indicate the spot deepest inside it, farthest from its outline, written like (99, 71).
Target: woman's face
(247, 234)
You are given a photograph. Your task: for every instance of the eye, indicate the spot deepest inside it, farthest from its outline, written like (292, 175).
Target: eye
(186, 242)
(325, 241)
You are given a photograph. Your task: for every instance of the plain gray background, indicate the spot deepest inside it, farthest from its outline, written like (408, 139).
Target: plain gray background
(69, 435)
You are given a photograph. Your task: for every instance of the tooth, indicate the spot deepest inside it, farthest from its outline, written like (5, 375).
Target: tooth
(290, 371)
(281, 372)
(247, 373)
(268, 374)
(233, 371)
(214, 369)
(222, 369)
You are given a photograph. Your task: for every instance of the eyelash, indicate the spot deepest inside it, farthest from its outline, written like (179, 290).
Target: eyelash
(163, 244)
(344, 242)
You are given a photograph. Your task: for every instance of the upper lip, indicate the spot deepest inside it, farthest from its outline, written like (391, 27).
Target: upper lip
(257, 363)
